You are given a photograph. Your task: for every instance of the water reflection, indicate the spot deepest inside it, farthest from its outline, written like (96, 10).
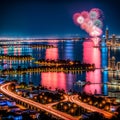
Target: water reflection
(52, 53)
(64, 50)
(92, 55)
(53, 80)
(104, 64)
(17, 51)
(68, 50)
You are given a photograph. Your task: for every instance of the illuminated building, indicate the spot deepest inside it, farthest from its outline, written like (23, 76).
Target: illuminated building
(113, 39)
(108, 57)
(107, 34)
(114, 89)
(112, 63)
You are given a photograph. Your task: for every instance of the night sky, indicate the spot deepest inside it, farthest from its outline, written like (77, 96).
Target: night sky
(52, 18)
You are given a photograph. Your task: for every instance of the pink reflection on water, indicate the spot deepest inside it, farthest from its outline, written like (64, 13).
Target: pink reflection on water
(49, 80)
(19, 51)
(61, 80)
(53, 80)
(5, 49)
(15, 51)
(5, 52)
(52, 53)
(92, 55)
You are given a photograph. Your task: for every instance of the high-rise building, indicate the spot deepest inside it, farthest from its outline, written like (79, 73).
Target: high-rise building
(107, 34)
(113, 39)
(118, 66)
(113, 63)
(109, 63)
(113, 90)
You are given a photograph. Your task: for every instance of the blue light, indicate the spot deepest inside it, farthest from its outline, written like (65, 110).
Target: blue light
(104, 62)
(104, 57)
(69, 50)
(103, 36)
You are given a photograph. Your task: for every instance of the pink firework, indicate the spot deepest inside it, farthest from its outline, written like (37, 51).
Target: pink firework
(75, 17)
(85, 14)
(89, 21)
(80, 19)
(94, 13)
(95, 31)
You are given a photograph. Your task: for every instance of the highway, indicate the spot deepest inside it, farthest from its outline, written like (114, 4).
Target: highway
(75, 99)
(4, 89)
(48, 107)
(54, 103)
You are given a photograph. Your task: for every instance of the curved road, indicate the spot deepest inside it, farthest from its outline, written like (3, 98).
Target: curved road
(5, 90)
(75, 99)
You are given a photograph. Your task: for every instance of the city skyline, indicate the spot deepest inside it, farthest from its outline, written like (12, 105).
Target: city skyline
(35, 18)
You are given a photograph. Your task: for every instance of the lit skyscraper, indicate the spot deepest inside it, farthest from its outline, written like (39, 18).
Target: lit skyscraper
(107, 33)
(113, 39)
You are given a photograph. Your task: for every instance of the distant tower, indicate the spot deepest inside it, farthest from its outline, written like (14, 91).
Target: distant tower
(103, 38)
(107, 34)
(113, 39)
